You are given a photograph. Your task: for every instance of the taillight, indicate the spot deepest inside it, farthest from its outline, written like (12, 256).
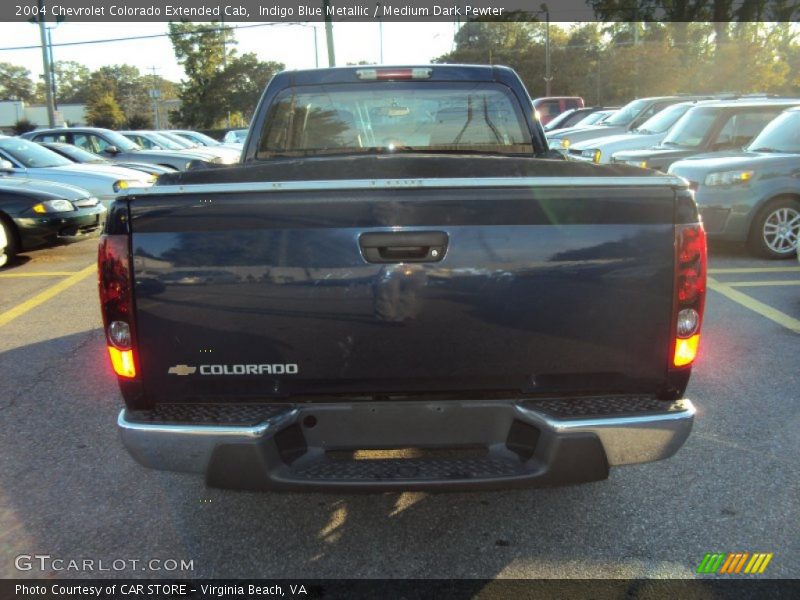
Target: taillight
(690, 292)
(116, 302)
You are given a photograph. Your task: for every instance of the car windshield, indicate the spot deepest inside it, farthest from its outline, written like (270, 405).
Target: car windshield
(627, 113)
(161, 141)
(76, 154)
(395, 117)
(782, 134)
(593, 118)
(692, 128)
(236, 135)
(196, 136)
(177, 140)
(663, 120)
(563, 117)
(32, 155)
(120, 141)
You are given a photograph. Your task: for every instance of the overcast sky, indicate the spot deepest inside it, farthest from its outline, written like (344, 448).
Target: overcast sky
(292, 45)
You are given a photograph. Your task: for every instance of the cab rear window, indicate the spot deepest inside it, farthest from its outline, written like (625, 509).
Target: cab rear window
(372, 117)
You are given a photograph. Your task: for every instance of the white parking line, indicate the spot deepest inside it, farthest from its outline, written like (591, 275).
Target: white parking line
(754, 270)
(51, 292)
(760, 283)
(760, 308)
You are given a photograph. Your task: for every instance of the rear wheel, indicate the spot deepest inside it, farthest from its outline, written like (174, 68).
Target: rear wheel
(776, 229)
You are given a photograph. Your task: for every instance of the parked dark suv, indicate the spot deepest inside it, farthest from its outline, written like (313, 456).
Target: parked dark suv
(713, 127)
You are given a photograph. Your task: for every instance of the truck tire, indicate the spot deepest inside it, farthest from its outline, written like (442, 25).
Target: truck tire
(776, 229)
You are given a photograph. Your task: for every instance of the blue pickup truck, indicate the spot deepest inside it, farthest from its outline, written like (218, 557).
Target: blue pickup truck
(402, 287)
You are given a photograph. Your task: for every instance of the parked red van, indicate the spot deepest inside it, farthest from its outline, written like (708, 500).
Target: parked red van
(552, 106)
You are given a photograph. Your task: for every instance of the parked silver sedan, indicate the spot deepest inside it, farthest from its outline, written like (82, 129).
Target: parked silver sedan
(22, 158)
(203, 140)
(79, 155)
(235, 137)
(115, 146)
(157, 140)
(228, 154)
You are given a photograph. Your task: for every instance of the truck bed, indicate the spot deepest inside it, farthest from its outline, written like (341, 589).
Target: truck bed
(546, 284)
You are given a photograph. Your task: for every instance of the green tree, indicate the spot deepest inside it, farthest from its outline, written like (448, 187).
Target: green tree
(616, 62)
(125, 83)
(218, 81)
(139, 121)
(202, 50)
(241, 83)
(104, 111)
(23, 126)
(15, 83)
(72, 82)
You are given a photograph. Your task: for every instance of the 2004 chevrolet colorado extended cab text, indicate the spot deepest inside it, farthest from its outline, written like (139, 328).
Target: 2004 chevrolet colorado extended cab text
(402, 288)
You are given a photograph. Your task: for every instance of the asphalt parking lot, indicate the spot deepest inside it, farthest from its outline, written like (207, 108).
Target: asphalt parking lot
(69, 490)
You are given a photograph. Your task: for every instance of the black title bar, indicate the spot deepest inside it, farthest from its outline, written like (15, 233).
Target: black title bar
(438, 589)
(388, 10)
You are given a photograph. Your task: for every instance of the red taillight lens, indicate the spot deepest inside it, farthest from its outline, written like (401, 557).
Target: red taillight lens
(690, 292)
(690, 284)
(116, 302)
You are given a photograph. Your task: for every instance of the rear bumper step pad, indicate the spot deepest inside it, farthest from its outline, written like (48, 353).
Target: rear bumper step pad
(304, 447)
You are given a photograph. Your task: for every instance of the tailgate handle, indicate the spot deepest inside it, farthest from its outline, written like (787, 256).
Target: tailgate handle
(403, 246)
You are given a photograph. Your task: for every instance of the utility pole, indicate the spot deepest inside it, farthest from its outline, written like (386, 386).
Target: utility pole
(548, 77)
(48, 79)
(155, 94)
(316, 48)
(225, 66)
(52, 69)
(329, 33)
(380, 29)
(635, 44)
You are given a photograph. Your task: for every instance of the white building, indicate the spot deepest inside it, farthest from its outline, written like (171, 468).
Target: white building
(12, 111)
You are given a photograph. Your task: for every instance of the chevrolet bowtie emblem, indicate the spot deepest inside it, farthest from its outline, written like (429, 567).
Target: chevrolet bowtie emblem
(182, 370)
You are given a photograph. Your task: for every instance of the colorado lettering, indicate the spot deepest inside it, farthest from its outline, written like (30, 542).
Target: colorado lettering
(265, 369)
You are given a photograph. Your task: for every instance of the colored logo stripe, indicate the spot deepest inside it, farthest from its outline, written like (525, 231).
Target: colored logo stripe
(758, 563)
(734, 562)
(711, 562)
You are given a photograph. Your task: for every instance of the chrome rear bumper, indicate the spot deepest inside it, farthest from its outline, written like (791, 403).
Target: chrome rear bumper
(526, 442)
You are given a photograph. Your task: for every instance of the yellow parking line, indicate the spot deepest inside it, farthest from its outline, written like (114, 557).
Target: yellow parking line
(52, 291)
(755, 270)
(760, 283)
(38, 274)
(762, 309)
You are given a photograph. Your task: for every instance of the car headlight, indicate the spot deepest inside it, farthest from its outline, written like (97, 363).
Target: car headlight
(642, 164)
(86, 202)
(565, 143)
(218, 160)
(728, 177)
(593, 155)
(120, 185)
(53, 206)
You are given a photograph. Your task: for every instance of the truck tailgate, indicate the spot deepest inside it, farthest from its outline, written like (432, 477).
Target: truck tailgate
(536, 289)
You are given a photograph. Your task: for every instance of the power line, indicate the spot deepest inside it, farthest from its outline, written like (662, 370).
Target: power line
(143, 37)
